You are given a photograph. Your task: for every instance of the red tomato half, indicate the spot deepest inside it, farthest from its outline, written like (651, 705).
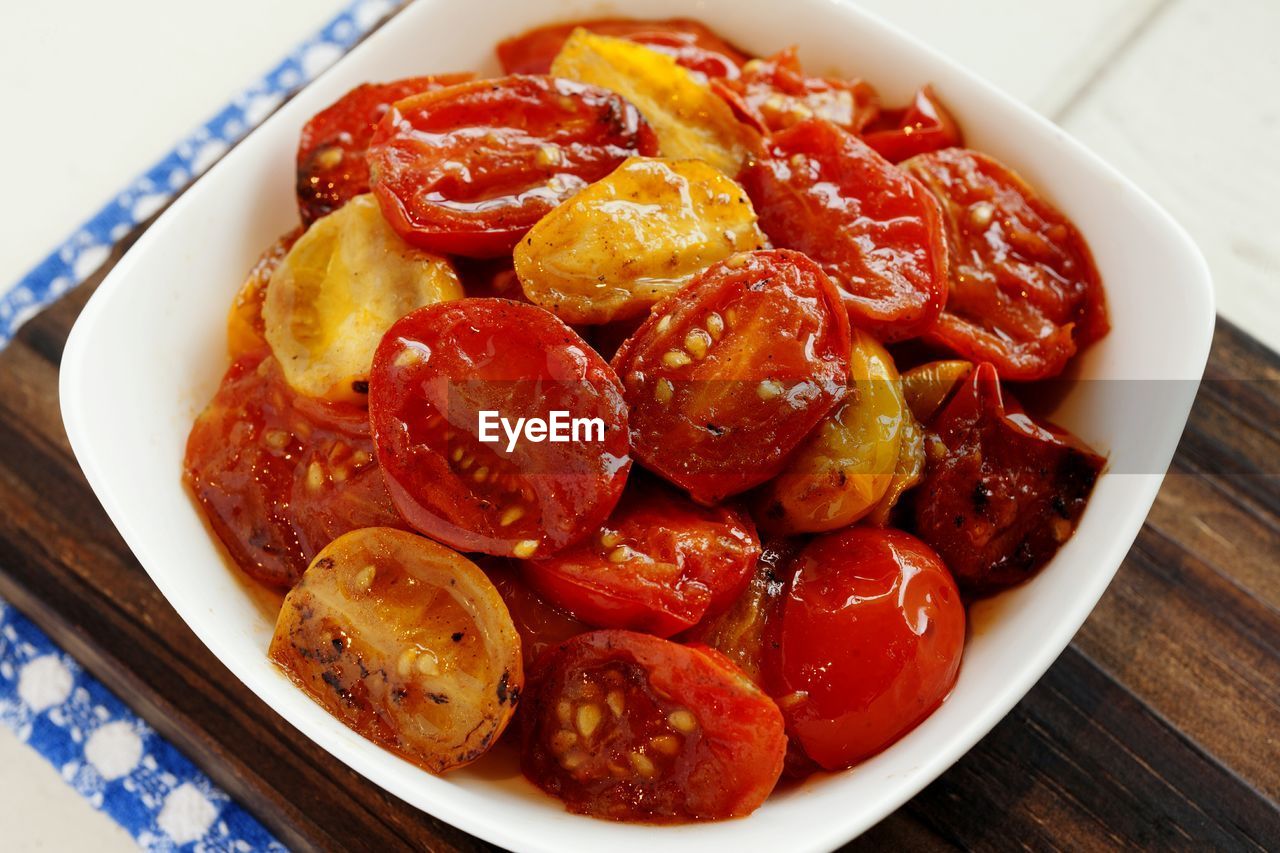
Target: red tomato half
(1002, 491)
(923, 126)
(659, 564)
(438, 368)
(773, 94)
(874, 229)
(691, 43)
(331, 164)
(627, 726)
(468, 169)
(1024, 291)
(867, 645)
(280, 475)
(728, 375)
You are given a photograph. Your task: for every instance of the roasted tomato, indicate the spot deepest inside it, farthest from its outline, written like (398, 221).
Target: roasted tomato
(435, 373)
(691, 122)
(331, 164)
(407, 643)
(907, 472)
(844, 468)
(541, 625)
(727, 377)
(333, 297)
(1003, 491)
(923, 126)
(690, 43)
(627, 726)
(740, 632)
(659, 564)
(873, 228)
(468, 169)
(246, 330)
(927, 386)
(633, 238)
(773, 94)
(280, 475)
(1025, 294)
(867, 643)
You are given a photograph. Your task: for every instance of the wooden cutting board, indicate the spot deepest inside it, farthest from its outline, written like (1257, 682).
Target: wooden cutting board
(1159, 725)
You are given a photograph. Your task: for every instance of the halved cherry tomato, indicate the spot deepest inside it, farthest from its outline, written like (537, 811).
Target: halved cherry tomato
(280, 475)
(438, 368)
(727, 376)
(690, 43)
(407, 643)
(907, 472)
(873, 228)
(246, 330)
(659, 564)
(331, 164)
(927, 386)
(923, 126)
(1025, 294)
(541, 625)
(627, 726)
(773, 94)
(867, 645)
(468, 169)
(740, 633)
(1003, 491)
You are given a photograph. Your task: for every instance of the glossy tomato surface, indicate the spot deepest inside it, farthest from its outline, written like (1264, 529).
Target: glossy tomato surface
(1002, 491)
(438, 368)
(331, 150)
(406, 642)
(1024, 292)
(627, 726)
(874, 229)
(727, 376)
(867, 643)
(691, 43)
(659, 564)
(773, 94)
(469, 169)
(280, 475)
(541, 625)
(923, 126)
(246, 328)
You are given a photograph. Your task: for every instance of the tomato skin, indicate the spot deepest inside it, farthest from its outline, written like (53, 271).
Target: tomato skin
(752, 391)
(826, 193)
(867, 644)
(469, 169)
(436, 369)
(1002, 491)
(246, 329)
(923, 126)
(774, 93)
(693, 739)
(1024, 291)
(251, 471)
(331, 149)
(541, 625)
(692, 45)
(660, 563)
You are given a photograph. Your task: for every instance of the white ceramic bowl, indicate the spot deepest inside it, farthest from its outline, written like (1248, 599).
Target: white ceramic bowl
(148, 351)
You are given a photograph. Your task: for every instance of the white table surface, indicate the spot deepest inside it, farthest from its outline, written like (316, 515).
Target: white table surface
(1179, 94)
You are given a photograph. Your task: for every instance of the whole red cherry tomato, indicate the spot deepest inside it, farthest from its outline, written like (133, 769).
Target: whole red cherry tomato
(659, 564)
(873, 228)
(280, 475)
(1002, 491)
(332, 168)
(729, 374)
(468, 169)
(1024, 293)
(438, 368)
(627, 726)
(773, 94)
(692, 44)
(867, 644)
(923, 126)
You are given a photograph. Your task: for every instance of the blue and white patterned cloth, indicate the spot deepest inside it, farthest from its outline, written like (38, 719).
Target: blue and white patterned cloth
(100, 747)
